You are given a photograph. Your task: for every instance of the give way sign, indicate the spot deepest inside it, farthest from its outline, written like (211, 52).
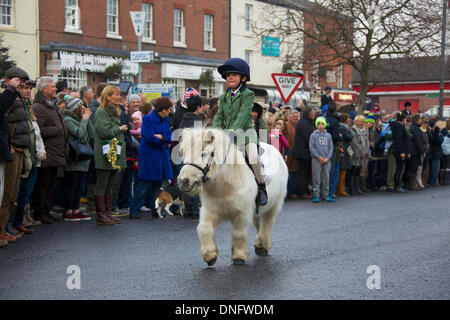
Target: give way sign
(287, 84)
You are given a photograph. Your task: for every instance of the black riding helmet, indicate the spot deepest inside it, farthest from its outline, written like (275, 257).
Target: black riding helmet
(235, 65)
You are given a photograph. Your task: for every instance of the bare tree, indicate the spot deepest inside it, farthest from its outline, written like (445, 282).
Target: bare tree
(355, 32)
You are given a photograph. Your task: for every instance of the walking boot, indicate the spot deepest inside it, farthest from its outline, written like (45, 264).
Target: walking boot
(351, 187)
(362, 184)
(412, 182)
(261, 198)
(357, 185)
(399, 189)
(26, 220)
(108, 209)
(419, 177)
(341, 185)
(3, 243)
(102, 219)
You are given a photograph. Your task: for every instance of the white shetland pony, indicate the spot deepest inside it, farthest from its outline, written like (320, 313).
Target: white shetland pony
(216, 169)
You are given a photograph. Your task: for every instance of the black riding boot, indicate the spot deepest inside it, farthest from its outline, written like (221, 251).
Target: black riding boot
(261, 198)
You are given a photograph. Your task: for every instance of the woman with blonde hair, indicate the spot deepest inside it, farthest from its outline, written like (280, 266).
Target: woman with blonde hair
(109, 152)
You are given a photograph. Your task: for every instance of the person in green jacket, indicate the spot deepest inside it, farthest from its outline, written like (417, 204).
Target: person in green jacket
(234, 113)
(109, 152)
(76, 119)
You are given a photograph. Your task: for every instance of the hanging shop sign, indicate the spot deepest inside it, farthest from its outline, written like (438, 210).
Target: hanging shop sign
(188, 72)
(94, 63)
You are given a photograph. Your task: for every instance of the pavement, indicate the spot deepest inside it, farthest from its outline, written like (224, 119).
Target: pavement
(399, 243)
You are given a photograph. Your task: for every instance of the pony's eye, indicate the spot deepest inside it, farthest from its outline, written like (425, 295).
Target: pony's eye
(204, 154)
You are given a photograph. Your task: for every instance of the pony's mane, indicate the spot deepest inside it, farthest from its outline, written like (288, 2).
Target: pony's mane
(190, 135)
(222, 144)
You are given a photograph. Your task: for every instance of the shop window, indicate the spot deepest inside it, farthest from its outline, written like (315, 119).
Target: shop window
(6, 13)
(76, 79)
(213, 91)
(178, 87)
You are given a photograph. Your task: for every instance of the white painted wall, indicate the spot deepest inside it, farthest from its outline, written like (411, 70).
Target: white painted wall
(261, 67)
(23, 36)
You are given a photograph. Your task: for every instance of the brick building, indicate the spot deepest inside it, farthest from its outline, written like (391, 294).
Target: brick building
(80, 38)
(321, 68)
(392, 82)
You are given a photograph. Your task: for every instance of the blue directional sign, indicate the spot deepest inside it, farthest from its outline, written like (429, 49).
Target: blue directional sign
(270, 46)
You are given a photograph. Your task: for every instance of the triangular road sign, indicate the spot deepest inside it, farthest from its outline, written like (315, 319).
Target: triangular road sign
(287, 84)
(138, 19)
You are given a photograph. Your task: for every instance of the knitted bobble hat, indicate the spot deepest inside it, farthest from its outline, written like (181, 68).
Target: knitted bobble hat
(321, 120)
(73, 104)
(370, 118)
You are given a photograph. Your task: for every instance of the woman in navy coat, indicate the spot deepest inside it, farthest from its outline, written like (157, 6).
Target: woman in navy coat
(153, 156)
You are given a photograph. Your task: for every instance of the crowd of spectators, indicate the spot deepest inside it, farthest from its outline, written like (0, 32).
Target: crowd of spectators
(61, 148)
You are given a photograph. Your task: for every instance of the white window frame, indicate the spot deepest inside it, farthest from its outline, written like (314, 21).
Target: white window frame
(179, 86)
(7, 7)
(340, 79)
(74, 12)
(248, 17)
(147, 35)
(75, 78)
(115, 16)
(213, 91)
(208, 34)
(179, 30)
(248, 56)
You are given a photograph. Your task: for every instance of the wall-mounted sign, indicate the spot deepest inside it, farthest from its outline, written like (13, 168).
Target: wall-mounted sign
(188, 72)
(270, 46)
(94, 63)
(344, 97)
(140, 56)
(153, 90)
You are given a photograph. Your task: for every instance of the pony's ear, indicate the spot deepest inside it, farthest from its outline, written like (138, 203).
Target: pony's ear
(210, 136)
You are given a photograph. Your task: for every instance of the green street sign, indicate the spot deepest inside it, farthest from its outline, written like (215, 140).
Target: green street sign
(432, 95)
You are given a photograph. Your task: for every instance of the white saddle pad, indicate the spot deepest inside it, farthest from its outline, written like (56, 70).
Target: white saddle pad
(268, 170)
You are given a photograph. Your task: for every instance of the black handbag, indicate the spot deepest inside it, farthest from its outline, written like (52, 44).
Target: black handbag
(80, 151)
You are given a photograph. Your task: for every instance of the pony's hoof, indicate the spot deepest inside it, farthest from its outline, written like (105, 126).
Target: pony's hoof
(211, 262)
(261, 252)
(238, 262)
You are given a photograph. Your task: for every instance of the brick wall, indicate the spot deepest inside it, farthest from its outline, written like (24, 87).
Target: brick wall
(93, 26)
(312, 51)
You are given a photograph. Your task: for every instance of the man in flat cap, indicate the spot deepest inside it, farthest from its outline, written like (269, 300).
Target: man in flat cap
(11, 153)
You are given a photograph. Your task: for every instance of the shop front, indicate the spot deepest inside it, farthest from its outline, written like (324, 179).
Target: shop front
(182, 76)
(80, 69)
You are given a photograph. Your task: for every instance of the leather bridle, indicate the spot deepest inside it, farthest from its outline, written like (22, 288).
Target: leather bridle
(206, 169)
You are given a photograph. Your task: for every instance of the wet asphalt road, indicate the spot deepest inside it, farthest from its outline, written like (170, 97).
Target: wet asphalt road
(319, 252)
